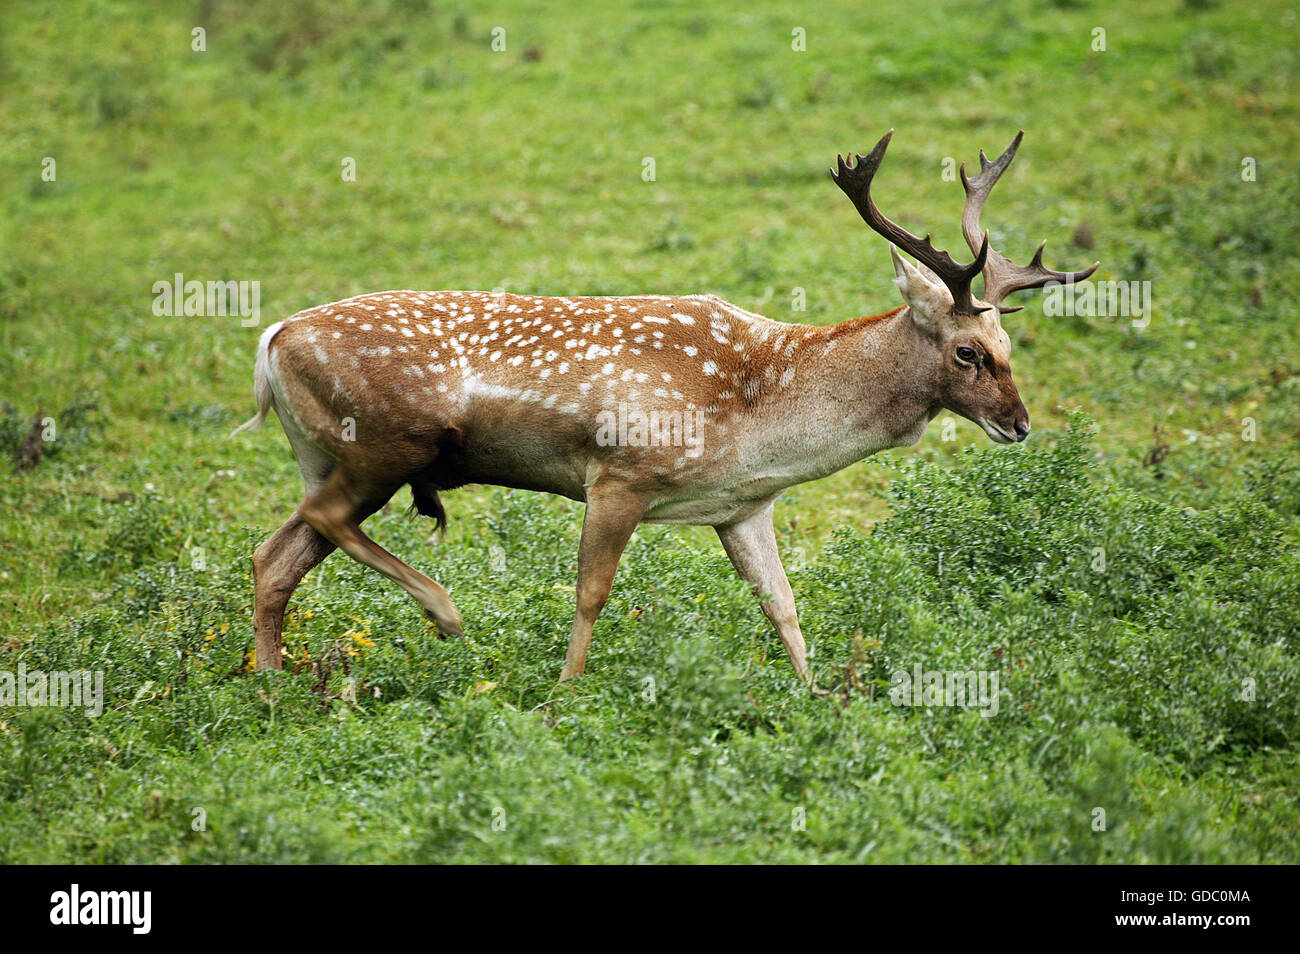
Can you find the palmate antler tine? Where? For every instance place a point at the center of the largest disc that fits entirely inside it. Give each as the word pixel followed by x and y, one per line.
pixel 855 181
pixel 1001 275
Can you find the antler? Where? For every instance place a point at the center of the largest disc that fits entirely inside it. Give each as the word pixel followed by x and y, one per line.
pixel 856 183
pixel 1001 275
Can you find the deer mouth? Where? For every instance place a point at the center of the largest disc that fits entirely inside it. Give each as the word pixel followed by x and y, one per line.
pixel 998 434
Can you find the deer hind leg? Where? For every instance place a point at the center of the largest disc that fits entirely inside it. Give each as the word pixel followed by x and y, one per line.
pixel 612 515
pixel 281 562
pixel 751 545
pixel 336 509
pixel 279 565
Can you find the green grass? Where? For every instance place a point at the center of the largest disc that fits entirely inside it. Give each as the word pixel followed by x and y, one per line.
pixel 1124 688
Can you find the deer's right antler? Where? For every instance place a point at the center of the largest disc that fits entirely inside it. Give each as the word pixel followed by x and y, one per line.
pixel 856 182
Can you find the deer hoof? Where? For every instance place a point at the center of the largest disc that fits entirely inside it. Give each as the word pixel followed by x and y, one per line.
pixel 449 624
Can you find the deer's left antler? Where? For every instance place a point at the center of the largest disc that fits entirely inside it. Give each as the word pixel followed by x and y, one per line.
pixel 1001 275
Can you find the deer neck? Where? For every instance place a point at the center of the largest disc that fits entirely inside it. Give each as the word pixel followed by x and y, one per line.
pixel 856 388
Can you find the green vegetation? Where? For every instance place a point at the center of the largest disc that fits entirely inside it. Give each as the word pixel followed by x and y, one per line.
pixel 1132 573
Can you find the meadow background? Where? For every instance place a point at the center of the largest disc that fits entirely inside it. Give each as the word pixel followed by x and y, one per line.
pixel 1163 688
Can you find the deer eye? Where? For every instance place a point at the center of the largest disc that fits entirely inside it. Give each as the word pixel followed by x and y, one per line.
pixel 966 354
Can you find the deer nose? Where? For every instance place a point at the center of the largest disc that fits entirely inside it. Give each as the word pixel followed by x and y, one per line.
pixel 1022 429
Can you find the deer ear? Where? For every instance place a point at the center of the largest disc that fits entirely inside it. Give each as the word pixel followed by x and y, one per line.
pixel 927 300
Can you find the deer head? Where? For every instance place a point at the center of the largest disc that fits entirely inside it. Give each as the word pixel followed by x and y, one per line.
pixel 972 350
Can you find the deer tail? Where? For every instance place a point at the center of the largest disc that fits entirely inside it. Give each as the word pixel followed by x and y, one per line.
pixel 261 381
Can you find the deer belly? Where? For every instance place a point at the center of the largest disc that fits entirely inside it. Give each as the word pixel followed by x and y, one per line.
pixel 708 511
pixel 525 458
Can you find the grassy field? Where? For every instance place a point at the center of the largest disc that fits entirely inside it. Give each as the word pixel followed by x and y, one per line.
pixel 1159 684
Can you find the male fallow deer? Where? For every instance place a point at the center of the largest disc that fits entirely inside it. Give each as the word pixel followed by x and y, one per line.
pixel 571 396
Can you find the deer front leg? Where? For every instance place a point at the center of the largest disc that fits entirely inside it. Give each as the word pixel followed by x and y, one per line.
pixel 612 515
pixel 751 545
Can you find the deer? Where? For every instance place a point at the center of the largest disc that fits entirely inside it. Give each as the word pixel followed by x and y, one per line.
pixel 569 395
